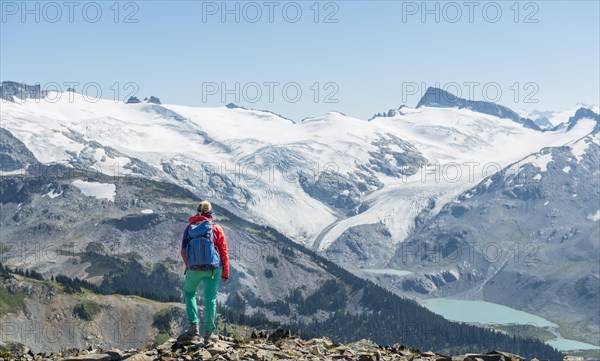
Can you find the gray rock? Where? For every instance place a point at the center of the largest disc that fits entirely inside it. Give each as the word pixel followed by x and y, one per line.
pixel 14 155
pixel 132 100
pixel 361 245
pixel 153 100
pixel 9 90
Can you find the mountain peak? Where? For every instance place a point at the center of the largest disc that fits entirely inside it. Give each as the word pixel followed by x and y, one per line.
pixel 133 100
pixel 582 113
pixel 436 97
pixel 152 100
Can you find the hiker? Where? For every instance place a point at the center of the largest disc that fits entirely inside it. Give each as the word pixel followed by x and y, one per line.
pixel 205 255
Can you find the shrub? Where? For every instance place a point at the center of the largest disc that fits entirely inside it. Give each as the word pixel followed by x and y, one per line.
pixel 162 319
pixel 160 338
pixel 87 310
pixel 10 303
pixel 273 260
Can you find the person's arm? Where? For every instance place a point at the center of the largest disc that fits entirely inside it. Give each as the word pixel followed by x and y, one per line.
pixel 183 240
pixel 221 243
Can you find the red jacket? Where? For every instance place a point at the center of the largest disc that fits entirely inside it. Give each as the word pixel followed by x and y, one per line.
pixel 220 243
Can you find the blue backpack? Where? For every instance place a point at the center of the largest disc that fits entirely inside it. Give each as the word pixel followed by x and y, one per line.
pixel 199 247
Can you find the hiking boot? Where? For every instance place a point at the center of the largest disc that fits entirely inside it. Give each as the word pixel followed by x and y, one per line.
pixel 190 335
pixel 210 337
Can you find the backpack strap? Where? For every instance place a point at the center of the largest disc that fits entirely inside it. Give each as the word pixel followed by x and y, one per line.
pixel 214 237
pixel 186 235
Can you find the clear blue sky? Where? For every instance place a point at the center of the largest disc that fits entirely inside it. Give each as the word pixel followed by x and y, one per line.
pixel 372 55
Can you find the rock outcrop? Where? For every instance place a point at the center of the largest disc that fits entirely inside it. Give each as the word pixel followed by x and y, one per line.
pixel 133 100
pixel 10 91
pixel 260 345
pixel 153 100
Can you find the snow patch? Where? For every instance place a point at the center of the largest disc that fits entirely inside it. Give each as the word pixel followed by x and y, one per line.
pixel 539 160
pixel 454 273
pixel 97 190
pixel 594 217
pixel 566 169
pixel 147 211
pixel 52 194
pixel 579 148
pixel 537 177
pixel 107 165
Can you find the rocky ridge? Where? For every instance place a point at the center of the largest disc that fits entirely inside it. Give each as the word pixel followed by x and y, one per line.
pixel 260 345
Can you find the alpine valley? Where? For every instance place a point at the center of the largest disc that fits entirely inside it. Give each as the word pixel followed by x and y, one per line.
pixel 333 222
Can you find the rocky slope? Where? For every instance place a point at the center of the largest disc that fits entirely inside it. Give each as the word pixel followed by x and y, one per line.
pixel 51 320
pixel 541 251
pixel 261 345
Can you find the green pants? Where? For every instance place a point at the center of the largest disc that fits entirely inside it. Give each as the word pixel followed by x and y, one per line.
pixel 211 283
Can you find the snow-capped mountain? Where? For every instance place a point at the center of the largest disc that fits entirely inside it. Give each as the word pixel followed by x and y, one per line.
pixel 352 189
pixel 549 119
pixel 258 162
pixel 435 97
pixel 532 226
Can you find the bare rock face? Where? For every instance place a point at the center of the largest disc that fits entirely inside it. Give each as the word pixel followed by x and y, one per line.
pixel 360 245
pixel 133 100
pixel 14 155
pixel 10 91
pixel 153 100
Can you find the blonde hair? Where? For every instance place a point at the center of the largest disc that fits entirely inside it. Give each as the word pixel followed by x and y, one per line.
pixel 204 207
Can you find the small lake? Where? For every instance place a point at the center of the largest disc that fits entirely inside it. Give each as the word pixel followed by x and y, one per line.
pixel 491 313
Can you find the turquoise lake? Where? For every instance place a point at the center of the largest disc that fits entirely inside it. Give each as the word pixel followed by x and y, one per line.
pixel 491 313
